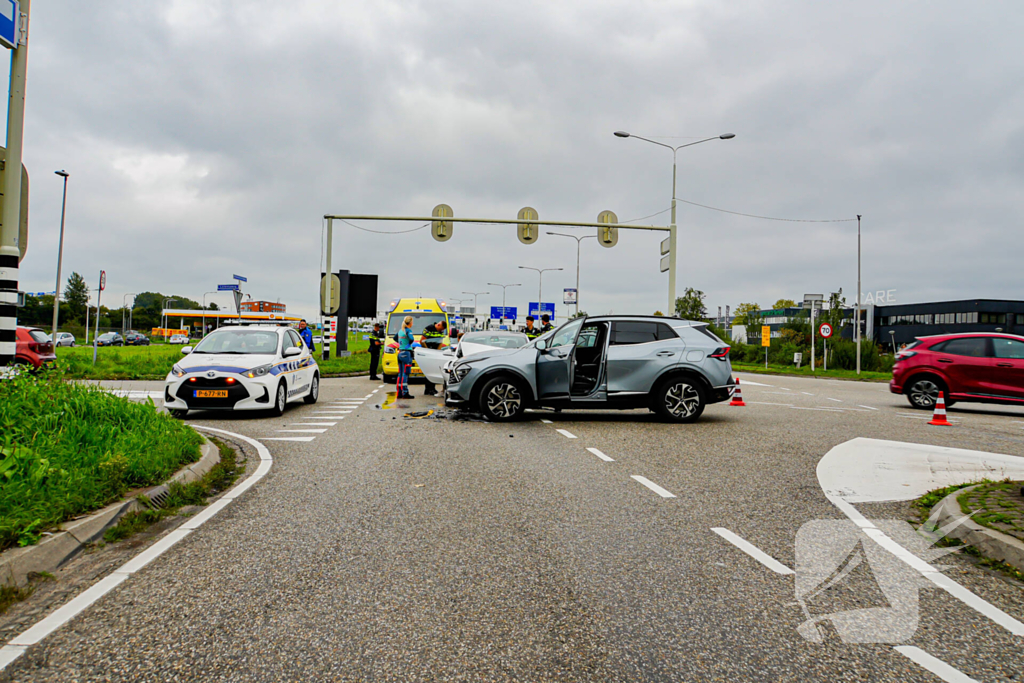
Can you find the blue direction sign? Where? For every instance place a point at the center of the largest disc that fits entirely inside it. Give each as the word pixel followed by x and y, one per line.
pixel 240 278
pixel 498 312
pixel 227 288
pixel 539 309
pixel 10 18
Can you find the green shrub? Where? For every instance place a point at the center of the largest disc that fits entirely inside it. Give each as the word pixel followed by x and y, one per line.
pixel 69 449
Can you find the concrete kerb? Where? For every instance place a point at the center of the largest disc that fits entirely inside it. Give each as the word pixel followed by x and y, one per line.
pixel 989 542
pixel 54 550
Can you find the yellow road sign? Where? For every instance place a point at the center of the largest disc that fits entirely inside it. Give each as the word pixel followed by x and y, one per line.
pixel 766 335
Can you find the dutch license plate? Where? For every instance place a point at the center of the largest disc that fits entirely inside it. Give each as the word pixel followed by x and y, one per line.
pixel 211 393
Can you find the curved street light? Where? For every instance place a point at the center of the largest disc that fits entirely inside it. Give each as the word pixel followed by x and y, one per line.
pixel 672 226
pixel 540 282
pixel 503 288
pixel 578 240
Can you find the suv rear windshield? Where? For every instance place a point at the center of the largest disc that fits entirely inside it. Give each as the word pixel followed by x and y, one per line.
pixel 419 321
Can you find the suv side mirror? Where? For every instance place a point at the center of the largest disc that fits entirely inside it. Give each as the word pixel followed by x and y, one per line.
pixel 291 351
pixel 185 350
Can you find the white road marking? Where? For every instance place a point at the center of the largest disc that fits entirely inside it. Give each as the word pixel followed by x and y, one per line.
pixel 933 664
pixel 547 422
pixel 600 455
pixel 752 550
pixel 833 399
pixel 827 410
pixel 755 384
pixel 305 431
pixel 37 632
pixel 926 417
pixel 777 393
pixel 368 396
pixel 566 434
pixel 768 403
pixel 381 386
pixel 312 424
pixel 332 411
pixel 806 393
pixel 868 407
pixel 664 493
pixel 785 388
pixel 290 438
pixel 375 391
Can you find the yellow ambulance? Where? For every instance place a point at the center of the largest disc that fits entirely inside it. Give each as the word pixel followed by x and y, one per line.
pixel 424 312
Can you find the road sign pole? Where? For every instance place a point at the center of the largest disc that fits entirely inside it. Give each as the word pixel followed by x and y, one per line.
pixel 10 221
pixel 325 345
pixel 812 337
pixel 672 247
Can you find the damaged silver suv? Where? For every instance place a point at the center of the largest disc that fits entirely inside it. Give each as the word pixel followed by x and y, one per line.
pixel 671 366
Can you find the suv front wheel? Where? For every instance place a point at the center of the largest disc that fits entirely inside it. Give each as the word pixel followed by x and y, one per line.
pixel 680 399
pixel 502 400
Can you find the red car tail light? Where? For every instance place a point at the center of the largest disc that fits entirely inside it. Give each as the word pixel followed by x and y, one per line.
pixel 721 352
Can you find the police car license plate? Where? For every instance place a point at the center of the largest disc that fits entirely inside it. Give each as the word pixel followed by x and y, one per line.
pixel 211 393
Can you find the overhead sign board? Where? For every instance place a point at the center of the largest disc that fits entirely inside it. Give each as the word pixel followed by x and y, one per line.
pixel 240 278
pixel 500 312
pixel 766 335
pixel 227 288
pixel 10 21
pixel 542 308
pixel 569 295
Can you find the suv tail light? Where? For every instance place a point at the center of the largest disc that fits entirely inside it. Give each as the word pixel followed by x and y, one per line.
pixel 902 355
pixel 722 352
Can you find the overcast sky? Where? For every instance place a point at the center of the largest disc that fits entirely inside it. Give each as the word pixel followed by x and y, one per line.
pixel 206 138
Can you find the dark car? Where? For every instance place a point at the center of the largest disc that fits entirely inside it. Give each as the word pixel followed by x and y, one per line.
pixel 979 367
pixel 110 339
pixel 33 347
pixel 136 339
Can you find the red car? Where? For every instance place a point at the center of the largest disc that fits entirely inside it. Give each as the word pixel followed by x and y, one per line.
pixel 33 347
pixel 978 367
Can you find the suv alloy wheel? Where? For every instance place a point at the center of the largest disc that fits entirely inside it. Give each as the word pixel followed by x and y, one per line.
pixel 679 399
pixel 501 400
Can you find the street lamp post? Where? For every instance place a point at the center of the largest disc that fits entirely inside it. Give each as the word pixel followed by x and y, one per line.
pixel 672 226
pixel 503 288
pixel 163 317
pixel 578 240
pixel 540 282
pixel 475 307
pixel 60 255
pixel 857 324
pixel 124 305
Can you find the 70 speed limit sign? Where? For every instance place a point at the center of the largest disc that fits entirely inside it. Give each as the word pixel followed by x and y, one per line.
pixel 825 330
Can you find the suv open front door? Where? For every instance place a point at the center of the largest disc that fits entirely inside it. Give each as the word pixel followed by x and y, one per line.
pixel 554 361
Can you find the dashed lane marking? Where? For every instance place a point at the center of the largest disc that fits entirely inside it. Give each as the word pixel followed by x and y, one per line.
pixel 304 431
pixel 290 438
pixel 312 424
pixel 868 407
pixel 547 422
pixel 664 493
pixel 833 399
pixel 827 410
pixel 17 645
pixel 806 393
pixel 755 384
pixel 567 434
pixel 752 550
pixel 768 403
pixel 933 664
pixel 600 455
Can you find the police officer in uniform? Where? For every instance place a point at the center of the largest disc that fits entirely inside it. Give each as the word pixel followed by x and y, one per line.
pixel 531 332
pixel 376 344
pixel 432 336
pixel 545 326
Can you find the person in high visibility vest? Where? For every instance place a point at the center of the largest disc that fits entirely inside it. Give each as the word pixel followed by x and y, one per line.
pixel 545 325
pixel 531 332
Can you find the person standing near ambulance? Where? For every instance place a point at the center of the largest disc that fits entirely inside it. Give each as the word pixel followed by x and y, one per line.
pixel 405 339
pixel 376 344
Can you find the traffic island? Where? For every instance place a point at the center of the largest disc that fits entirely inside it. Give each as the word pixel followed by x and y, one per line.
pixel 995 527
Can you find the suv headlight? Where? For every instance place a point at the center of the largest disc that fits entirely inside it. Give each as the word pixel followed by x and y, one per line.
pixel 459 372
pixel 177 371
pixel 257 371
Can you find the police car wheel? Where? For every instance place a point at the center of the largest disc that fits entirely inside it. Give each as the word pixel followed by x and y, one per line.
pixel 280 401
pixel 314 390
pixel 502 400
pixel 680 400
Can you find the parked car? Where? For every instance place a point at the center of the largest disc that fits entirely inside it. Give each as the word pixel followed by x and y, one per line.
pixel 33 347
pixel 248 368
pixel 975 367
pixel 110 339
pixel 178 339
pixel 136 339
pixel 65 339
pixel 671 366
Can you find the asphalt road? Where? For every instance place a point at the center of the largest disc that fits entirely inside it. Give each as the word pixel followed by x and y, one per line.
pixel 390 548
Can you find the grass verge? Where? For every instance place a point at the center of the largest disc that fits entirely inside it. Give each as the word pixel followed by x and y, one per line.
pixel 864 376
pixel 67 449
pixel 220 477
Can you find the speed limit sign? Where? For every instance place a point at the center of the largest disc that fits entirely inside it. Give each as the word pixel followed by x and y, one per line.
pixel 825 330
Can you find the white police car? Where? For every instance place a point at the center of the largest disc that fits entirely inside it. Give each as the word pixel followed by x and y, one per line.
pixel 243 368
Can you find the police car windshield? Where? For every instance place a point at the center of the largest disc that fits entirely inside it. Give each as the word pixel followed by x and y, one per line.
pixel 239 342
pixel 419 321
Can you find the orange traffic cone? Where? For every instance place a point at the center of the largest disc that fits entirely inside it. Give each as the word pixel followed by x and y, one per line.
pixel 939 416
pixel 737 397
